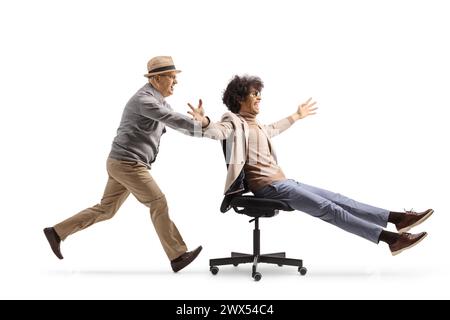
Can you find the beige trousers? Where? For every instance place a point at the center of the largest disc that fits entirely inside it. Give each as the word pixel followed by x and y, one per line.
pixel 125 177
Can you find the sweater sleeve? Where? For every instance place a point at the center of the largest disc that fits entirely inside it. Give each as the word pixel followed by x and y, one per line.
pixel 149 107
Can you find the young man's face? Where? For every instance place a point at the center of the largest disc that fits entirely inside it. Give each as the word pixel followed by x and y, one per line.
pixel 251 103
pixel 165 83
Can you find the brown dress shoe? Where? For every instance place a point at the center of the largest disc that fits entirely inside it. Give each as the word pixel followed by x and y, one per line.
pixel 406 241
pixel 54 241
pixel 183 260
pixel 413 219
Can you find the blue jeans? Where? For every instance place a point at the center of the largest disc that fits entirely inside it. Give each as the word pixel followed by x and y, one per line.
pixel 355 217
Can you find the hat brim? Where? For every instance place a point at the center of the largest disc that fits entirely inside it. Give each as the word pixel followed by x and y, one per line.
pixel 148 75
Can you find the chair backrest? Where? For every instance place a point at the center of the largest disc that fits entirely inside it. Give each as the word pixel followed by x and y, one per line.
pixel 226 203
pixel 239 186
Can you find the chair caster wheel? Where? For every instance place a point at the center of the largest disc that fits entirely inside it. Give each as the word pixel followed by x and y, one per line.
pixel 257 276
pixel 302 270
pixel 235 264
pixel 280 265
pixel 214 270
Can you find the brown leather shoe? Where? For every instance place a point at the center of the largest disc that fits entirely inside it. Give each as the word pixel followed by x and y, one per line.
pixel 413 219
pixel 183 260
pixel 406 241
pixel 54 241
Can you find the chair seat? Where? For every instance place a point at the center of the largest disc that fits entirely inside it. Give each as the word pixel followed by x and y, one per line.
pixel 253 206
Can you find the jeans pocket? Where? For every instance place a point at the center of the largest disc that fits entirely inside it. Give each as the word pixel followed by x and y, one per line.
pixel 270 190
pixel 273 187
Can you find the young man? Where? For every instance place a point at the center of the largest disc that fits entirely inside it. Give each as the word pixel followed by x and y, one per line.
pixel 134 149
pixel 250 150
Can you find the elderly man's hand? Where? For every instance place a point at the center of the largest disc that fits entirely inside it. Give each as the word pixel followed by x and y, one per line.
pixel 199 113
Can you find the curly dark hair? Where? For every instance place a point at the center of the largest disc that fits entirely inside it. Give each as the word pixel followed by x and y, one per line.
pixel 238 89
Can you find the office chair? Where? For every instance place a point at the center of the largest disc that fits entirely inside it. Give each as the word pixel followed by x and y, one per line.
pixel 256 208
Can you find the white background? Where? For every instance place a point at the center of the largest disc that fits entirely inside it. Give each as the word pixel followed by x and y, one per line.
pixel 379 71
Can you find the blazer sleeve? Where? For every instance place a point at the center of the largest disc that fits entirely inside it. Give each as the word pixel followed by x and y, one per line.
pixel 278 127
pixel 219 130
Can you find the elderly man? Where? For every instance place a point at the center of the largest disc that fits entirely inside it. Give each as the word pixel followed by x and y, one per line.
pixel 134 149
pixel 252 164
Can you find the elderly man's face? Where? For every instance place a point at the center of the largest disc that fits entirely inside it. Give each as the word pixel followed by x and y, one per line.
pixel 251 102
pixel 165 82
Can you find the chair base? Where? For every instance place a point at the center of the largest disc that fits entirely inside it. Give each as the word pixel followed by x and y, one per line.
pixel 237 258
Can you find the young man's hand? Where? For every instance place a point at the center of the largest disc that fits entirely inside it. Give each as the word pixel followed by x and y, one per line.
pixel 305 109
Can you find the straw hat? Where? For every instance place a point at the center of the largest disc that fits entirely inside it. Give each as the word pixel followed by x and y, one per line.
pixel 160 64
